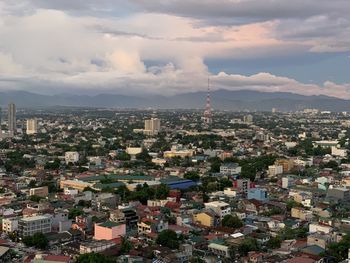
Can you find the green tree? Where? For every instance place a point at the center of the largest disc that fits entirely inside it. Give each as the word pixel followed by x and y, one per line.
pixel 168 238
pixel 125 246
pixel 192 176
pixel 248 244
pixel 231 221
pixel 74 212
pixel 339 251
pixel 38 240
pixel 274 242
pixel 35 198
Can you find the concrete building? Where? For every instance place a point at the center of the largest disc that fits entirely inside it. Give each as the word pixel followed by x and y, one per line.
pixel 230 169
pixel 219 248
pixel 339 152
pixel 258 194
pixel 339 194
pixel 75 184
pixel 9 225
pixel 32 126
pixel 219 207
pixel 301 213
pixel 286 164
pixel 71 157
pixel 287 182
pixel 152 126
pixel 39 191
pixel 206 218
pixel 28 226
pixel 12 123
pixel 275 170
pixel 95 246
pixel 109 230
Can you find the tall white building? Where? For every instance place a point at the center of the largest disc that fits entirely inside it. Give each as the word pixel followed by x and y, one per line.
pixel 32 126
pixel 12 118
pixel 152 126
pixel 28 226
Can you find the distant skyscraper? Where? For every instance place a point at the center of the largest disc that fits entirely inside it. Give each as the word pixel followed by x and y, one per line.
pixel 12 118
pixel 32 126
pixel 152 126
pixel 207 113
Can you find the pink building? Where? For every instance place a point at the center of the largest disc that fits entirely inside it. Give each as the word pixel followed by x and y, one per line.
pixel 109 230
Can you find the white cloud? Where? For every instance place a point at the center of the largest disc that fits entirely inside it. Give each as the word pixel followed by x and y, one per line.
pixel 58 50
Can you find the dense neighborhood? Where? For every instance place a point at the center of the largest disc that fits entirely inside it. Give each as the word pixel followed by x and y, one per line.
pixel 107 185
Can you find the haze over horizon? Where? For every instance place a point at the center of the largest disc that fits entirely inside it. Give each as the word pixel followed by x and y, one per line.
pixel 170 47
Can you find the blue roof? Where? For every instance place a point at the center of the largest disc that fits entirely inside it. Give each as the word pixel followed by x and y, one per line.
pixel 182 184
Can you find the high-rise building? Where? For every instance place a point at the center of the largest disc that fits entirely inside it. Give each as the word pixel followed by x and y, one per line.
pixel 152 126
pixel 12 118
pixel 32 126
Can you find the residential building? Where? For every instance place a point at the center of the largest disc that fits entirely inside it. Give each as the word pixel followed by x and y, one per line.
pixel 258 194
pixel 152 126
pixel 206 218
pixel 109 230
pixel 230 169
pixel 12 122
pixel 28 226
pixel 9 225
pixel 32 126
pixel 219 207
pixel 275 170
pixel 39 191
pixel 339 194
pixel 71 157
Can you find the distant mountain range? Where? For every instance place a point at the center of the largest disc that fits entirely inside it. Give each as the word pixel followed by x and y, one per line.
pixel 221 100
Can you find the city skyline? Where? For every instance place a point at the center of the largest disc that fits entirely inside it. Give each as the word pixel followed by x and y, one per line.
pixel 149 47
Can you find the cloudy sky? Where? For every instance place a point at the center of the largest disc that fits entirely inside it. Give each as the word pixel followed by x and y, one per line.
pixel 172 46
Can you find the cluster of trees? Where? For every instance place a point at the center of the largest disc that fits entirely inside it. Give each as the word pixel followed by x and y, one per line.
pixel 249 166
pixel 169 238
pixel 38 240
pixel 306 148
pixel 339 251
pixel 143 193
pixel 247 245
pixel 231 221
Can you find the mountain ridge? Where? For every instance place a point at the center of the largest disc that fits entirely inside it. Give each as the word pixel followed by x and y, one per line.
pixel 221 99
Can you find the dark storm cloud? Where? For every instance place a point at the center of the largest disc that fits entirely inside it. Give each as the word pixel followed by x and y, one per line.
pixel 253 9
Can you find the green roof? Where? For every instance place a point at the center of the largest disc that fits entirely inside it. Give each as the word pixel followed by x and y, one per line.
pixel 111 185
pixel 218 241
pixel 117 177
pixel 109 224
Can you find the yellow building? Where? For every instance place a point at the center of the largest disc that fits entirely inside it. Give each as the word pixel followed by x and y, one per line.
pixel 205 219
pixel 286 164
pixel 301 213
pixel 75 184
pixel 181 154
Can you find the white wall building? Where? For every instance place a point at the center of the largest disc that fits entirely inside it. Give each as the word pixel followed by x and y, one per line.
pixel 35 224
pixel 9 225
pixel 32 126
pixel 275 170
pixel 220 208
pixel 71 157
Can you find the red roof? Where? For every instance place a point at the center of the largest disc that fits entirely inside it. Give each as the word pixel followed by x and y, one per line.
pixel 57 258
pixel 300 260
